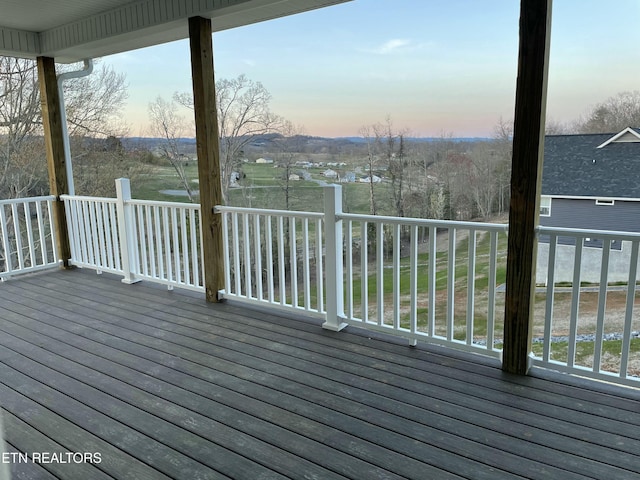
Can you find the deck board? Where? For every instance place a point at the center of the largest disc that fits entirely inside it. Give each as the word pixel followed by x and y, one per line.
pixel 172 386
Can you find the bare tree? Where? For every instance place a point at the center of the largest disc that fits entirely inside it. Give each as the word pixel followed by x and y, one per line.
pixel 368 134
pixel 288 146
pixel 612 115
pixel 243 115
pixel 167 124
pixel 20 127
pixel 391 146
pixel 92 105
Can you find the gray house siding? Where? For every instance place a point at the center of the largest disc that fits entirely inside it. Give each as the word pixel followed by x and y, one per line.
pixel 622 216
pixel 584 213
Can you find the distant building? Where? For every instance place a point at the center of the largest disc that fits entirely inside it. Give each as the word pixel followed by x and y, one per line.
pixel 264 160
pixel 294 176
pixel 330 173
pixel 372 179
pixel 347 177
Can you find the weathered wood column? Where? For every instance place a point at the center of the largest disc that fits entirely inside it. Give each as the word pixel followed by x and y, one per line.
pixel 207 144
pixel 54 140
pixel 526 179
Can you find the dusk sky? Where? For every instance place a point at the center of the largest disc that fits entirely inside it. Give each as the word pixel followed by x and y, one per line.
pixel 435 67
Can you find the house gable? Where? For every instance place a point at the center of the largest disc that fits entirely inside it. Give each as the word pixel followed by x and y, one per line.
pixel 628 135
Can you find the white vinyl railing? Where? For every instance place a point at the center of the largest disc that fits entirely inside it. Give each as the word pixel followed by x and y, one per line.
pixel 274 257
pixel 166 243
pixel 418 278
pixel 27 242
pixel 590 325
pixel 92 223
pixel 139 239
pixel 369 270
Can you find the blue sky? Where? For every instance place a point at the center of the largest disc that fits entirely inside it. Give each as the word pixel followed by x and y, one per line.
pixel 436 67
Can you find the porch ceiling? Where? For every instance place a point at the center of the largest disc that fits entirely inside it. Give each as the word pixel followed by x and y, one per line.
pixel 70 30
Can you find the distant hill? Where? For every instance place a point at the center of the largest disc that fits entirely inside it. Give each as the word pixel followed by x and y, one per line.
pixel 265 141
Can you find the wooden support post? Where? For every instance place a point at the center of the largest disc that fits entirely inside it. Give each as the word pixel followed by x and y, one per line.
pixel 54 140
pixel 204 103
pixel 526 178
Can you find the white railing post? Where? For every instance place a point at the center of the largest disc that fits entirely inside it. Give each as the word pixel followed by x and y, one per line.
pixel 334 274
pixel 125 229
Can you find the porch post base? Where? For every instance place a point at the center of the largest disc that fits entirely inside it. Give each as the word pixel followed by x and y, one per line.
pixel 334 327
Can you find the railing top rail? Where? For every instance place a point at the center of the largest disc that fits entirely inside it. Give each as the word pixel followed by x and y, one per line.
pixel 580 232
pixel 27 199
pixel 271 212
pixel 424 222
pixel 157 203
pixel 87 198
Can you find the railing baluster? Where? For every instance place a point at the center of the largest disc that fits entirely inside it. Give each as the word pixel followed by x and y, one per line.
pixel 269 241
pixel 117 250
pixel 18 235
pixel 491 306
pixel 282 281
pixel 349 268
pixel 100 231
pixel 186 271
pixel 225 242
pixel 451 283
pixel 380 273
pixel 319 267
pixel 157 221
pixel 149 210
pixel 177 268
pixel 433 258
pixel 551 276
pixel 364 271
pixel 628 314
pixel 143 238
pixel 6 242
pixel 246 254
pixel 108 231
pixel 575 302
pixel 196 254
pixel 396 276
pixel 294 261
pixel 54 242
pixel 166 244
pixel 29 228
pixel 258 255
pixel 41 233
pixel 471 286
pixel 602 303
pixel 413 280
pixel 237 276
pixel 306 281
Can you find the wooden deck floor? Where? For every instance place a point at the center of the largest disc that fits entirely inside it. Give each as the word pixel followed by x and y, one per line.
pixel 162 385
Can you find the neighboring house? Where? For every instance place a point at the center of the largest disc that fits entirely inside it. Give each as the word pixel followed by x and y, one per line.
pixel 372 179
pixel 589 182
pixel 347 177
pixel 264 160
pixel 330 173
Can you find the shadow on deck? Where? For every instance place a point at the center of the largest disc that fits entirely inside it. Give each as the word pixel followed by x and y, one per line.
pixel 162 385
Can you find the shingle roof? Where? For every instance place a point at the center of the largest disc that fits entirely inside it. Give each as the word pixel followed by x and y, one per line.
pixel 574 166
